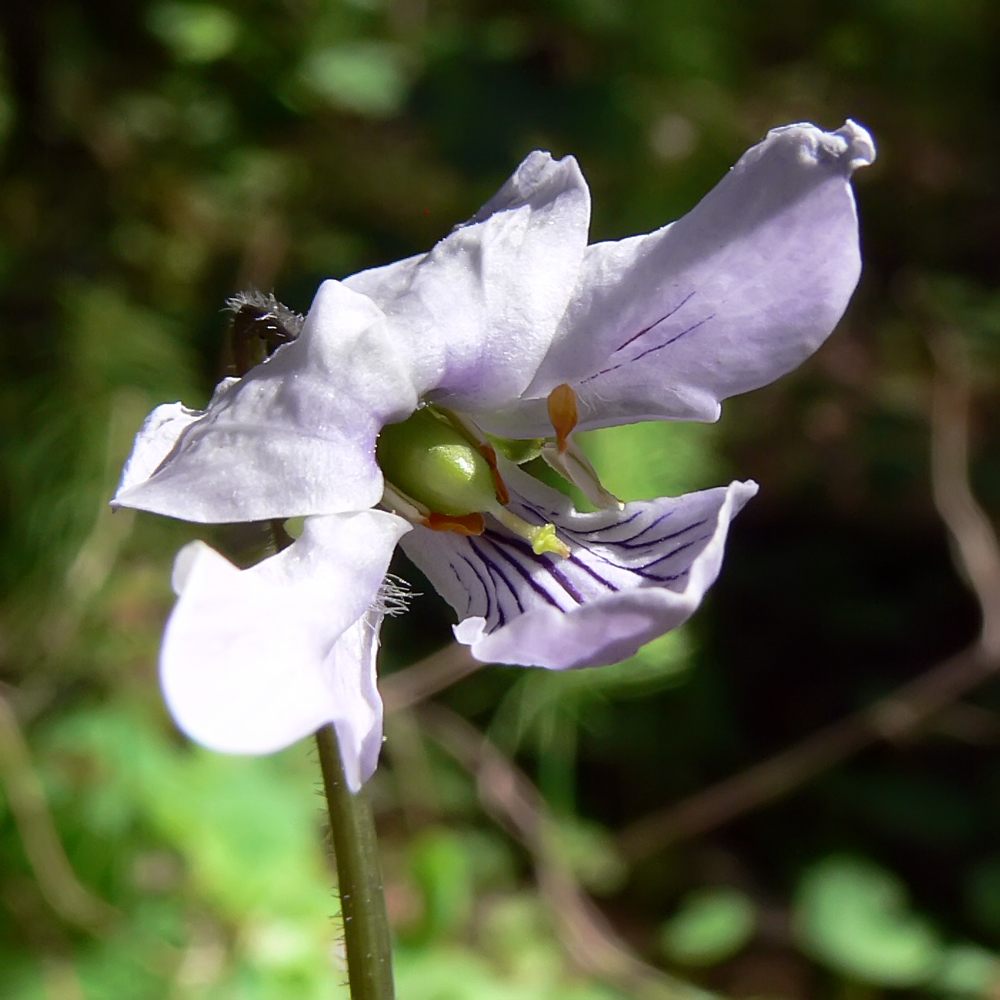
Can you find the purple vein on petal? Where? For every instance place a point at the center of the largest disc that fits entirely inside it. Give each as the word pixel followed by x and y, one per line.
pixel 498 614
pixel 540 513
pixel 642 333
pixel 670 555
pixel 492 568
pixel 525 574
pixel 577 561
pixel 547 565
pixel 481 581
pixel 650 350
pixel 594 536
pixel 675 338
pixel 630 543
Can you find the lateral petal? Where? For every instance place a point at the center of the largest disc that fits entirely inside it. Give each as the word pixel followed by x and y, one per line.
pixel 294 436
pixel 730 297
pixel 253 660
pixel 476 315
pixel 631 575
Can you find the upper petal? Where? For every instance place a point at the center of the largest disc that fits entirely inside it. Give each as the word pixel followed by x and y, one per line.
pixel 733 295
pixel 295 436
pixel 476 315
pixel 631 575
pixel 253 660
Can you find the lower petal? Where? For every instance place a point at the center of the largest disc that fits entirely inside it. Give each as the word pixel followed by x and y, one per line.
pixel 253 660
pixel 631 575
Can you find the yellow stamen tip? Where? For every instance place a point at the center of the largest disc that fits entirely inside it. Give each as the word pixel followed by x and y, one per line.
pixel 544 539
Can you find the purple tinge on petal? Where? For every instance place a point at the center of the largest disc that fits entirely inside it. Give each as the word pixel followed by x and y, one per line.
pixel 631 575
pixel 730 297
pixel 253 660
pixel 475 316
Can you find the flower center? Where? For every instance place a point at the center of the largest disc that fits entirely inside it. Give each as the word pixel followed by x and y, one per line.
pixel 432 462
pixel 429 461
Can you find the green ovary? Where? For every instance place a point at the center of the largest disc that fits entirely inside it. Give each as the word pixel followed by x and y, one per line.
pixel 426 458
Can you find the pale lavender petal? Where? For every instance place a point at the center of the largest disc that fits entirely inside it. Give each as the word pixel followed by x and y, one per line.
pixel 730 297
pixel 296 435
pixel 476 315
pixel 253 660
pixel 631 575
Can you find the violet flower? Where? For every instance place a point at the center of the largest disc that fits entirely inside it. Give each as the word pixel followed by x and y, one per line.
pixel 491 348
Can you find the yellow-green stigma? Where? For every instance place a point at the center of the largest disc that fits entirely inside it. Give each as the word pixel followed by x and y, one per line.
pixel 542 537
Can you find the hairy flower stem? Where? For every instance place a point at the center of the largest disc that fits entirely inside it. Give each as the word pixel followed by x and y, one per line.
pixel 362 899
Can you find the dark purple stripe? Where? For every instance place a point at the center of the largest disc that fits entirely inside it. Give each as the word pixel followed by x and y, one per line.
pixel 610 527
pixel 662 538
pixel 670 555
pixel 642 333
pixel 551 568
pixel 650 350
pixel 529 579
pixel 492 568
pixel 465 588
pixel 603 371
pixel 593 572
pixel 524 505
pixel 674 339
pixel 482 583
pixel 590 535
pixel 657 578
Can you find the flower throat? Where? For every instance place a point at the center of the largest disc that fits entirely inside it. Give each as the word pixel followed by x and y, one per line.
pixel 449 481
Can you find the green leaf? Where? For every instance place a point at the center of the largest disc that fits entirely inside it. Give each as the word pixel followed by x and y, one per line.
pixel 195 32
pixel 591 854
pixel 852 916
pixel 968 971
pixel 364 77
pixel 642 461
pixel 712 924
pixel 441 867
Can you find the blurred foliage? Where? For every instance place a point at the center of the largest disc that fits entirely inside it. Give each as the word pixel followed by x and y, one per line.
pixel 156 157
pixel 711 925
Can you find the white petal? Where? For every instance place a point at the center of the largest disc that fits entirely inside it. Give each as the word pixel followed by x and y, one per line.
pixel 476 314
pixel 158 436
pixel 296 435
pixel 631 575
pixel 357 705
pixel 738 292
pixel 253 660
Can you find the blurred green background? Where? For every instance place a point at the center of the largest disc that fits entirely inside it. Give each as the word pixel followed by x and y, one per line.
pixel 156 158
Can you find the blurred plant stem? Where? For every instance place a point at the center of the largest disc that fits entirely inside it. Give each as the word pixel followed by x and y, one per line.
pixel 510 797
pixel 908 710
pixel 425 678
pixel 359 876
pixel 26 798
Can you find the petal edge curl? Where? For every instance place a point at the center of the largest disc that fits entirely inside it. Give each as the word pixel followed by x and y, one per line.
pixel 253 660
pixel 631 575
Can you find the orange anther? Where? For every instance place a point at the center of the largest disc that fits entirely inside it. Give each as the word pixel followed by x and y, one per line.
pixel 499 486
pixel 563 413
pixel 464 524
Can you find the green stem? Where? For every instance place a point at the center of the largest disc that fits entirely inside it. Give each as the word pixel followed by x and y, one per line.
pixel 362 899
